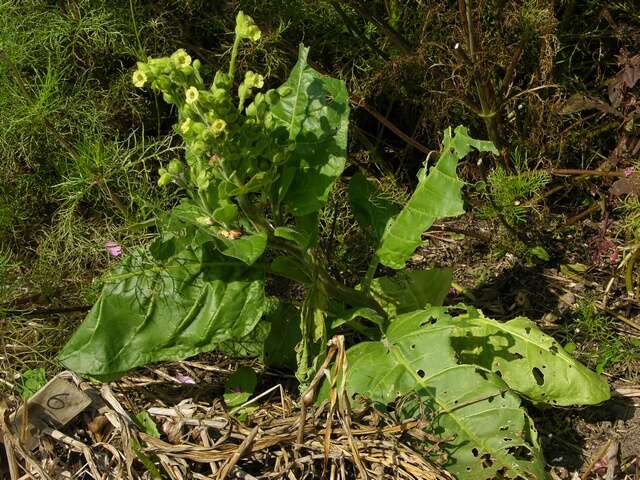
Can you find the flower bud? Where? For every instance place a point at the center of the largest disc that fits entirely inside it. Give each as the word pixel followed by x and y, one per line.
pixel 267 121
pixel 253 80
pixel 185 126
pixel 285 90
pixel 222 80
pixel 272 97
pixel 202 181
pixel 207 221
pixel 164 179
pixel 252 110
pixel 175 167
pixel 219 95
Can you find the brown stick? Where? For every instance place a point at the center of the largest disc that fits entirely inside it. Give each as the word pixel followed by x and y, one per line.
pixel 240 452
pixel 592 173
pixel 381 118
pixel 581 215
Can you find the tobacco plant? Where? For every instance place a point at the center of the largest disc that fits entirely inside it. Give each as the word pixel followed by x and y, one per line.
pixel 258 167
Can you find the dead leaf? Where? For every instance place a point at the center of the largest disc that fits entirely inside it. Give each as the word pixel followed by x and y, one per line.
pixel 625 186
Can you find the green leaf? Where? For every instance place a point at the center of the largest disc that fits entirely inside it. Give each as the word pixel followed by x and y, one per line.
pixel 240 386
pixel 528 360
pixel 292 235
pixel 247 248
pixel 251 345
pixel 372 211
pixel 308 226
pixel 279 348
pixel 540 253
pixel 438 195
pixel 144 420
pixel 149 312
pixel 315 110
pixel 32 381
pixel 483 427
pixel 290 268
pixel 145 459
pixel 348 315
pixel 412 290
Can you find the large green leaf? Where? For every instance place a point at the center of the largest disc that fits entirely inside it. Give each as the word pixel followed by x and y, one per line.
pixel 528 360
pixel 315 110
pixel 371 209
pixel 149 312
pixel 485 431
pixel 412 290
pixel 438 195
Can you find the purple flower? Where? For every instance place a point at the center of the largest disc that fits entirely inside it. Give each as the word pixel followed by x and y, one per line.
pixel 628 172
pixel 113 248
pixel 186 379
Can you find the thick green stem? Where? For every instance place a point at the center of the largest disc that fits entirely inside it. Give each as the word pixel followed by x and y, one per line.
pixel 234 54
pixel 371 271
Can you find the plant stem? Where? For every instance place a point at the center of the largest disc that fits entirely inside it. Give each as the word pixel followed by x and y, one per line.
pixel 234 54
pixel 371 271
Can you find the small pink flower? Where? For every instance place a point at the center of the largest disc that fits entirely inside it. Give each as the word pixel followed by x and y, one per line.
pixel 185 379
pixel 614 256
pixel 628 172
pixel 113 248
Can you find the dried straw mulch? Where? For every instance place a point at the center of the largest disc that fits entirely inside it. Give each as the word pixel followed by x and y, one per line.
pixel 279 437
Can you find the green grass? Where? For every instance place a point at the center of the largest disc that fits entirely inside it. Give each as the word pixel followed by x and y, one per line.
pixel 599 344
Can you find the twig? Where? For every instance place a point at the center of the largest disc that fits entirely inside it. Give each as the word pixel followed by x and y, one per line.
pixel 581 215
pixel 582 172
pixel 11 459
pixel 255 399
pixel 398 40
pixel 381 118
pixel 240 452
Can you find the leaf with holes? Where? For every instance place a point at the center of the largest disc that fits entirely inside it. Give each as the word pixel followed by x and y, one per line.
pixel 485 431
pixel 528 360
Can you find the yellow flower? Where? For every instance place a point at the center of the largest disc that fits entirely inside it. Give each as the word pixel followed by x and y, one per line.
pixel 139 78
pixel 181 58
pixel 218 126
pixel 246 27
pixel 192 95
pixel 185 126
pixel 253 80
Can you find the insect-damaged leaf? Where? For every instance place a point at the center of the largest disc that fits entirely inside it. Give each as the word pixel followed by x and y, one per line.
pixel 315 110
pixel 438 195
pixel 485 430
pixel 149 312
pixel 528 360
pixel 465 371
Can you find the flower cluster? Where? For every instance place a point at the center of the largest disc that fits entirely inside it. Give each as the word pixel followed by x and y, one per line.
pixel 230 149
